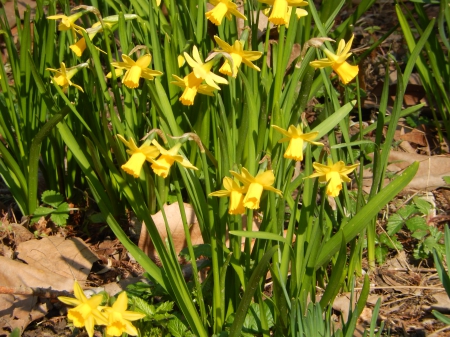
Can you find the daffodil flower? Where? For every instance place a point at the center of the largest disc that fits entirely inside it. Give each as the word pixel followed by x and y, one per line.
pixel 255 186
pixel 162 165
pixel 86 313
pixel 279 13
pixel 239 55
pixel 296 137
pixel 68 22
pixel 138 156
pixel 338 61
pixel 64 75
pixel 236 194
pixel 135 70
pixel 335 174
pixel 80 46
pixel 192 85
pixel 119 318
pixel 203 70
pixel 223 8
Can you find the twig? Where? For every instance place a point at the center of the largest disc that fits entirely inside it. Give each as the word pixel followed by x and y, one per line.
pixel 403 287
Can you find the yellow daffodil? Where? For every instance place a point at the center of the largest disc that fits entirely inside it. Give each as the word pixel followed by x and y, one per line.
pixel 338 61
pixel 335 174
pixel 223 8
pixel 236 194
pixel 255 186
pixel 68 22
pixel 138 156
pixel 162 165
pixel 192 85
pixel 119 319
pixel 86 313
pixel 203 70
pixel 135 70
pixel 296 137
pixel 279 13
pixel 239 55
pixel 63 75
pixel 80 46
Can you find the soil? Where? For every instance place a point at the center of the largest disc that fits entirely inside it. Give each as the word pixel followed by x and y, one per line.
pixel 410 289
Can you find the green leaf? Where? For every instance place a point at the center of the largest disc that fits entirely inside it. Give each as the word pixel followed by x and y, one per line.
pixel 39 212
pixel 61 214
pixel 423 206
pixel 52 198
pixel 177 328
pixel 441 317
pixel 407 211
pixel 419 234
pixel 446 179
pixel 416 223
pixel 203 249
pixel 395 223
pixel 144 307
pixel 252 322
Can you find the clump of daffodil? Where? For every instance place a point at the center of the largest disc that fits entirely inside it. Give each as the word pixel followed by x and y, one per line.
pixel 119 318
pixel 138 157
pixel 223 8
pixel 280 14
pixel 68 22
pixel 135 70
pixel 345 71
pixel 203 70
pixel 238 54
pixel 192 85
pixel 255 186
pixel 86 313
pixel 334 174
pixel 64 75
pixel 162 165
pixel 296 137
pixel 236 194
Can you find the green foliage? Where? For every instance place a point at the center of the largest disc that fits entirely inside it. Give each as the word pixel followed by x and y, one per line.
pixel 444 275
pixel 411 219
pixel 56 207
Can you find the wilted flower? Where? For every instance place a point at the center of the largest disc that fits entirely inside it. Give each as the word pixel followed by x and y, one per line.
pixel 280 8
pixel 338 61
pixel 236 194
pixel 138 156
pixel 255 186
pixel 223 8
pixel 192 85
pixel 119 318
pixel 135 70
pixel 203 70
pixel 63 75
pixel 162 165
pixel 335 174
pixel 239 55
pixel 86 313
pixel 296 137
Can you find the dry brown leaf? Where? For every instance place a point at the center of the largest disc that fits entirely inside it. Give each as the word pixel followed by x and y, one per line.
pixel 429 176
pixel 69 258
pixel 176 228
pixel 19 310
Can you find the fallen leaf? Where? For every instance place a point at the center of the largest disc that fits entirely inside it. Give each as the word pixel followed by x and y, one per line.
pixel 69 258
pixel 429 176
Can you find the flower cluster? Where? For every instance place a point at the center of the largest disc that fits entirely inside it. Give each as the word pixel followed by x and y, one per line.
pixel 248 195
pixel 146 152
pixel 87 313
